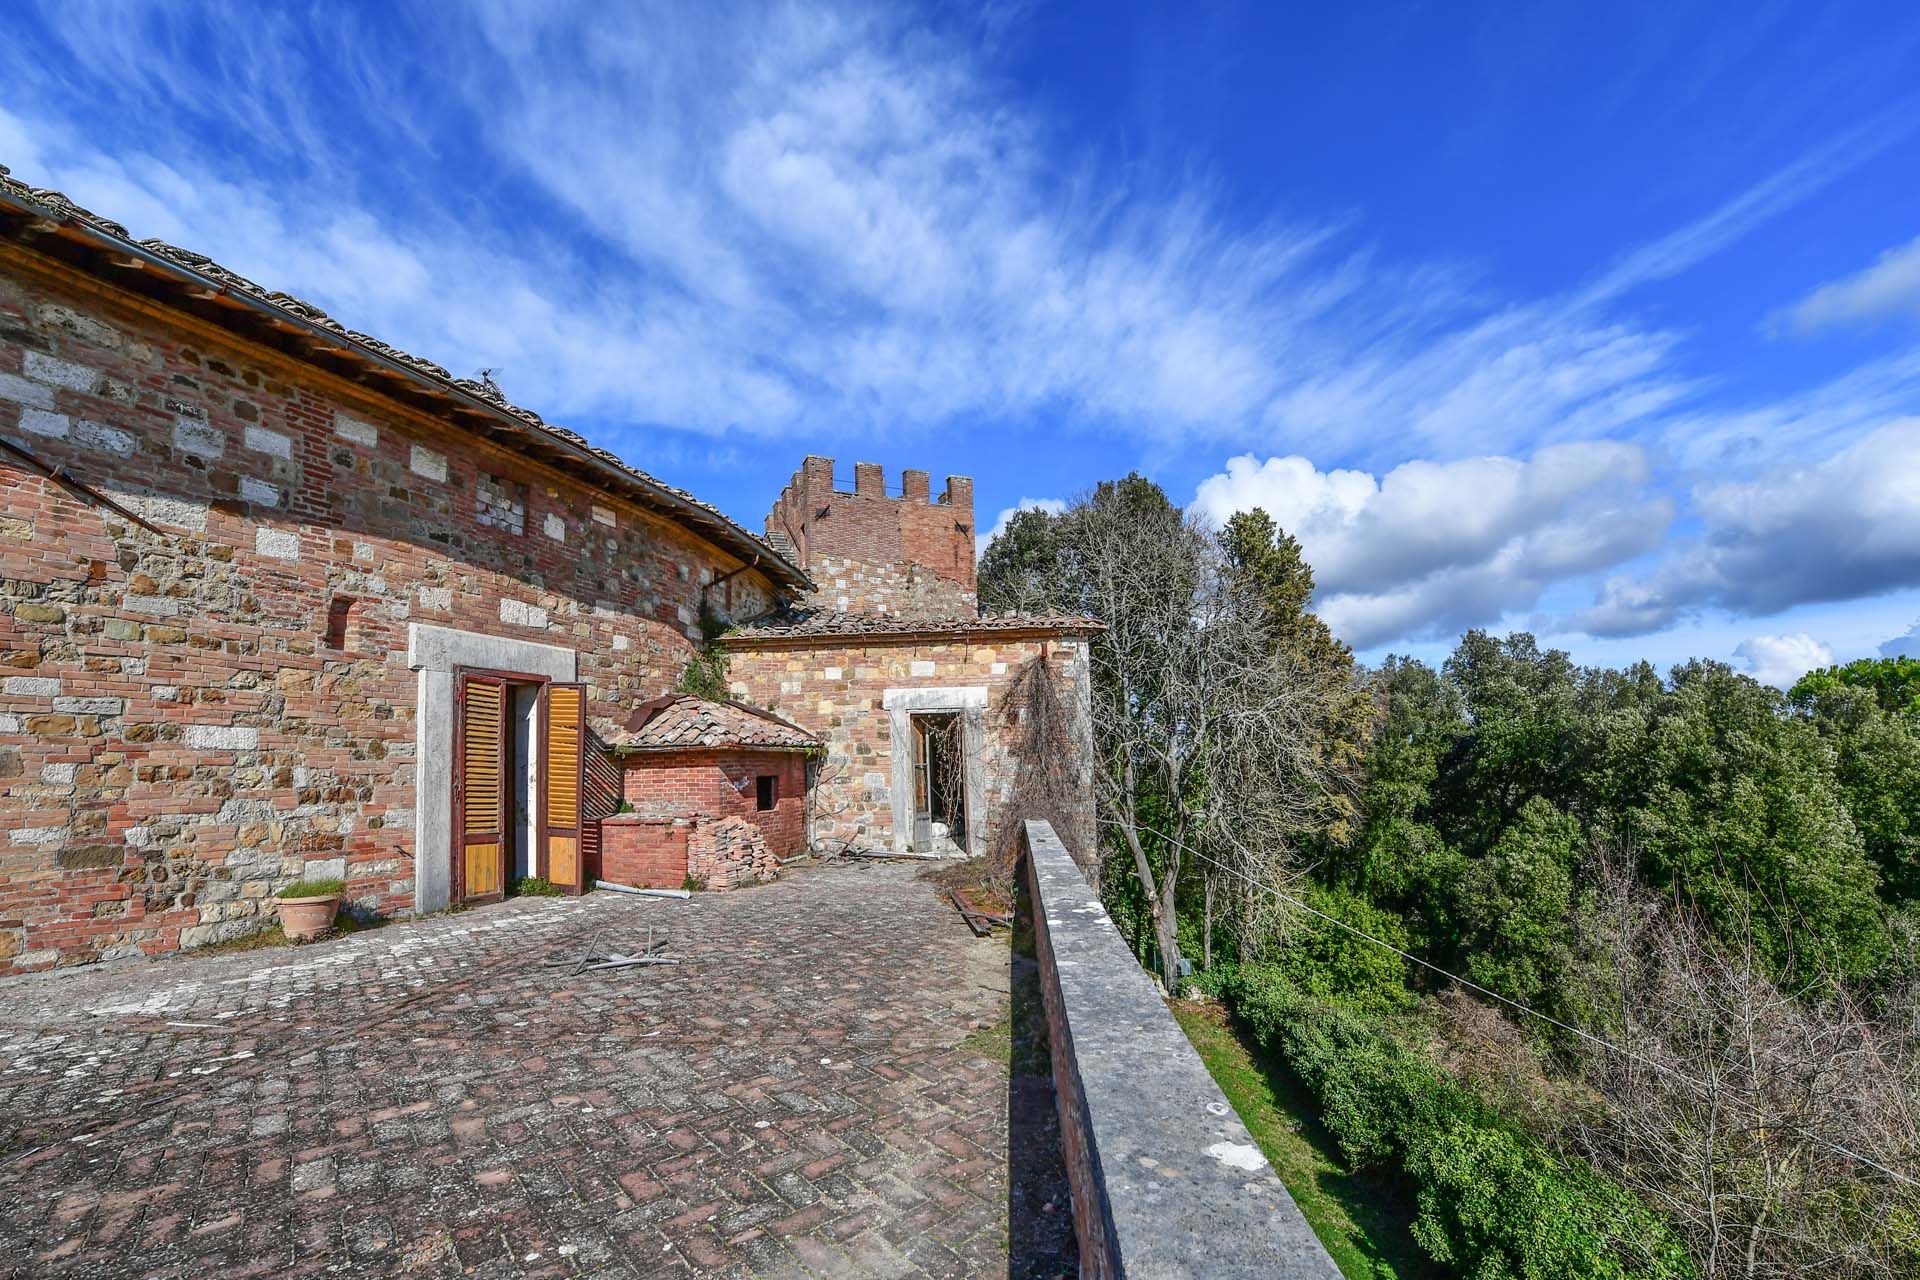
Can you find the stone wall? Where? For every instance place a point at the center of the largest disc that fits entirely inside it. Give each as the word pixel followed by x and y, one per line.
pixel 191 717
pixel 836 689
pixel 722 784
pixel 1166 1180
pixel 869 553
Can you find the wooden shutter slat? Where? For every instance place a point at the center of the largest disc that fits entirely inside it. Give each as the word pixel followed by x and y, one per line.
pixel 482 782
pixel 562 748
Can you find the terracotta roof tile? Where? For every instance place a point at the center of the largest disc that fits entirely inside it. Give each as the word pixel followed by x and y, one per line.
pixel 685 723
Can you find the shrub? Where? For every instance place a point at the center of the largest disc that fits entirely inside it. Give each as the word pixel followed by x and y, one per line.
pixel 1494 1203
pixel 312 888
pixel 535 887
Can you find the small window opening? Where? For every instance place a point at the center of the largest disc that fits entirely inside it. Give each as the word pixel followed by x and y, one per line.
pixel 766 791
pixel 339 617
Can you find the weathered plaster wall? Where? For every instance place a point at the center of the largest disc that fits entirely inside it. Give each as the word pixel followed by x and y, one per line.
pixel 177 735
pixel 837 689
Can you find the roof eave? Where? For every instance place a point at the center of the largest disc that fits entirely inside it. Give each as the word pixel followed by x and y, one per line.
pixel 717 529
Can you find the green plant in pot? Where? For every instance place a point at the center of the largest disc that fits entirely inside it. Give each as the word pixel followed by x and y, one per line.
pixel 307 908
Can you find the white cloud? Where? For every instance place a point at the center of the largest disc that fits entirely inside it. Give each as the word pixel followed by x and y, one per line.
pixel 1781 660
pixel 1888 289
pixel 1052 506
pixel 812 218
pixel 1838 529
pixel 1903 646
pixel 1429 547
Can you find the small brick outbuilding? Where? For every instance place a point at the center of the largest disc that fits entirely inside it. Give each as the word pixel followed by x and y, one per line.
pixel 715 791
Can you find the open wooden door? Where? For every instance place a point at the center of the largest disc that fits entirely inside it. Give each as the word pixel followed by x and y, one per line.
pixel 480 791
pixel 563 726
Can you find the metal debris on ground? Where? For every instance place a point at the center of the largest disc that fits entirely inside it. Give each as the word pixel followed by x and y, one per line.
pixel 594 958
pixel 981 922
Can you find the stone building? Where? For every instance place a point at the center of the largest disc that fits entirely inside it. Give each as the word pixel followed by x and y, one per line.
pixel 279 600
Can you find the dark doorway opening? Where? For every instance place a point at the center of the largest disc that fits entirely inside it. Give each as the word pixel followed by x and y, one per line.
pixel 939 784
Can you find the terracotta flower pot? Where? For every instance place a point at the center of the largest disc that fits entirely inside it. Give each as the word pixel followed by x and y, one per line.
pixel 304 919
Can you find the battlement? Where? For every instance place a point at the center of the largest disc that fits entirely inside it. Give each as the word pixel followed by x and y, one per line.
pixel 873 552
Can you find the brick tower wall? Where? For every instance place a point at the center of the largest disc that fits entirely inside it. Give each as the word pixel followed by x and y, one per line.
pixel 871 553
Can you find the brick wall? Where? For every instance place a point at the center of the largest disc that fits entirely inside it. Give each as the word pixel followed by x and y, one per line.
pixel 721 784
pixel 177 737
pixel 869 553
pixel 647 853
pixel 835 690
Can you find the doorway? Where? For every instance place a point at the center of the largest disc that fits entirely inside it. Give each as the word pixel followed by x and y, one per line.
pixel 939 783
pixel 517 778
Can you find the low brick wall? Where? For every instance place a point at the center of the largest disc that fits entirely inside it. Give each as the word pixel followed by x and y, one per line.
pixel 1166 1180
pixel 647 853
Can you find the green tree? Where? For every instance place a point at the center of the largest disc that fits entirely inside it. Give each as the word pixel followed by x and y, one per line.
pixel 1744 816
pixel 1894 682
pixel 1017 571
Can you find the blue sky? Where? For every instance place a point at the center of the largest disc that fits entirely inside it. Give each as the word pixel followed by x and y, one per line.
pixel 1602 321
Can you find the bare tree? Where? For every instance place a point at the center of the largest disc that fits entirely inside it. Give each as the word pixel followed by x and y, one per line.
pixel 1207 732
pixel 1778 1131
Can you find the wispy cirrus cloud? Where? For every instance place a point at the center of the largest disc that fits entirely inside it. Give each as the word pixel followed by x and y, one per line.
pixel 826 218
pixel 1887 290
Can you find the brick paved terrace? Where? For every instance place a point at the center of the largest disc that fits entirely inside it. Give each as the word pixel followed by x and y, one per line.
pixel 823 1089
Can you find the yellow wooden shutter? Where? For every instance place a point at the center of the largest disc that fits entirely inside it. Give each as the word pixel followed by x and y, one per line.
pixel 565 725
pixel 482 820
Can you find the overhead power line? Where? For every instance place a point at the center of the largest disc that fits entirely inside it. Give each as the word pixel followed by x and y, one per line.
pixel 1672 1072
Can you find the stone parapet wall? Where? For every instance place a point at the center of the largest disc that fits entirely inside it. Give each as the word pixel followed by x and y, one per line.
pixel 193 715
pixel 1166 1180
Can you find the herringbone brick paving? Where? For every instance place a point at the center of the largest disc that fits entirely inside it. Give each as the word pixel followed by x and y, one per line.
pixel 814 1093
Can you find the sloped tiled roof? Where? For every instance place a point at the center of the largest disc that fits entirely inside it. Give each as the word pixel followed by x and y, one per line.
pixel 682 722
pixel 194 283
pixel 803 624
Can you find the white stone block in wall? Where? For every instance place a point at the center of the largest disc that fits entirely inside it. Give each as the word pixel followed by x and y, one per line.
pixel 619 644
pixel 57 775
pixel 177 512
pixel 436 597
pixel 43 422
pixel 999 668
pixel 354 431
pixel 223 737
pixel 31 686
pixel 522 614
pixel 261 440
pixel 281 544
pixel 166 693
pixel 198 438
pixel 98 435
pixel 17 389
pixel 9 724
pixel 138 837
pixel 259 492
pixel 39 835
pixel 603 515
pixel 428 463
pixel 920 667
pixel 155 606
pixel 555 527
pixel 90 706
pixel 363 552
pixel 831 673
pixel 60 373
